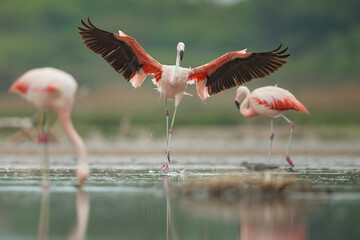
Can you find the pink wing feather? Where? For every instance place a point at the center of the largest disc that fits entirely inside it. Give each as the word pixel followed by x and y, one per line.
pixel 22 85
pixel 276 98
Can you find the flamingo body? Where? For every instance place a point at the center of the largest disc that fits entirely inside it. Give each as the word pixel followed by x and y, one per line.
pixel 42 88
pixel 52 89
pixel 126 56
pixel 270 101
pixel 169 86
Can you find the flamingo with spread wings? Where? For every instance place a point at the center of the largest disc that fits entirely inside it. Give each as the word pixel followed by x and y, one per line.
pixel 270 101
pixel 127 57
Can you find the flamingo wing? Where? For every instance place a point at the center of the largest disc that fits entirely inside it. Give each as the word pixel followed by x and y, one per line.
pixel 122 52
pixel 23 86
pixel 276 98
pixel 236 68
pixel 20 87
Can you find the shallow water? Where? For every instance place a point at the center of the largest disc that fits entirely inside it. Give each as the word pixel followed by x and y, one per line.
pixel 128 198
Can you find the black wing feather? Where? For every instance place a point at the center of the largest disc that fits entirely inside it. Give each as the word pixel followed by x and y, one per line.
pixel 242 70
pixel 117 53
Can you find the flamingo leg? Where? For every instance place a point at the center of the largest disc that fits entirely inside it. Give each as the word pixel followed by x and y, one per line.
pixel 271 139
pixel 167 120
pixel 292 126
pixel 44 154
pixel 170 132
pixel 48 119
pixel 165 166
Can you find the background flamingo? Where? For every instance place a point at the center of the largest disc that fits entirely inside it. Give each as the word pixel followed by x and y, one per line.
pixel 52 89
pixel 270 101
pixel 127 57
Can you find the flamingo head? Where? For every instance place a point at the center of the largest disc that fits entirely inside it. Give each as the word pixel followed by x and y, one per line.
pixel 241 92
pixel 181 48
pixel 237 104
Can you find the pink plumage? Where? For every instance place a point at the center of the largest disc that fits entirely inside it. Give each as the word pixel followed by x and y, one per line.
pixel 46 88
pixel 127 57
pixel 53 89
pixel 270 101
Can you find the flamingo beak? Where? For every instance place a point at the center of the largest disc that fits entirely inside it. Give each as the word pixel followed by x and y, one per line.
pixel 237 104
pixel 181 55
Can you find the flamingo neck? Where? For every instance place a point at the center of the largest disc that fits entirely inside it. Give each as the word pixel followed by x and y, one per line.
pixel 65 119
pixel 177 68
pixel 245 109
pixel 177 64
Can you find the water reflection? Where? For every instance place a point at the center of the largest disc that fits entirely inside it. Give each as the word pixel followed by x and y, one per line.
pixel 44 220
pixel 271 219
pixel 139 205
pixel 252 214
pixel 251 219
pixel 82 213
pixel 170 235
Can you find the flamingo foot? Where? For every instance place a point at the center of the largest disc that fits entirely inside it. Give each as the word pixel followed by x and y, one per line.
pixel 289 161
pixel 165 167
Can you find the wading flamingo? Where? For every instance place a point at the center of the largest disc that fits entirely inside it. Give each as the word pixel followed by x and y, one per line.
pixel 127 57
pixel 52 89
pixel 270 101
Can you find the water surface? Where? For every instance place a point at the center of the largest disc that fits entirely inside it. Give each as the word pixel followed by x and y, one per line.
pixel 128 198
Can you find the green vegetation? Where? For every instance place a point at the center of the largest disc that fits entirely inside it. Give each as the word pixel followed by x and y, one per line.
pixel 323 37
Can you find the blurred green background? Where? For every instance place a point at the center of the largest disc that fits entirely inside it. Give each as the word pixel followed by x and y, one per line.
pixel 323 71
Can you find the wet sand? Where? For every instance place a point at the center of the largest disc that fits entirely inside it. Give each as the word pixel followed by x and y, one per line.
pixel 208 141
